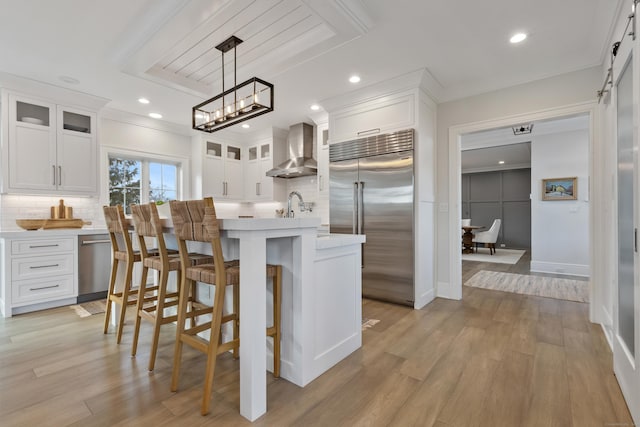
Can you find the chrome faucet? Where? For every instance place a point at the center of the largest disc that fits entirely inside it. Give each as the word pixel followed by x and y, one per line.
pixel 301 204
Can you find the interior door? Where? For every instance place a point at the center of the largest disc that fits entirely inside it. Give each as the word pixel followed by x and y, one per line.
pixel 626 347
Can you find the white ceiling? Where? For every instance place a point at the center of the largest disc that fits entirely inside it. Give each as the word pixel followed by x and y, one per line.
pixel 164 49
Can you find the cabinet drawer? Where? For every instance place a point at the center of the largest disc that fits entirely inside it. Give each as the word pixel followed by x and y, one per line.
pixel 43 289
pixel 43 266
pixel 34 247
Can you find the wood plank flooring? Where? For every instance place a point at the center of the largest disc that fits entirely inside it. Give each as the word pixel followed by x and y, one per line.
pixel 492 359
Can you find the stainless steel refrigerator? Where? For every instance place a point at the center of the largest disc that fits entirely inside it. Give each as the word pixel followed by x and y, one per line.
pixel 371 193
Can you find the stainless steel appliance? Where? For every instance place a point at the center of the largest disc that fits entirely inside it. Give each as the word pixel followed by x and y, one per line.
pixel 94 266
pixel 371 192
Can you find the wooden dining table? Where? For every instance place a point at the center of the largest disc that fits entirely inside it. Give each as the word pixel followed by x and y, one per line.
pixel 467 238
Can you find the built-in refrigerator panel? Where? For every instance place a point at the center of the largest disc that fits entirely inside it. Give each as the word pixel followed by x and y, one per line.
pixel 386 212
pixel 342 178
pixel 371 193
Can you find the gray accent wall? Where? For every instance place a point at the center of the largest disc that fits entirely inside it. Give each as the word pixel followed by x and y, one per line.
pixel 500 194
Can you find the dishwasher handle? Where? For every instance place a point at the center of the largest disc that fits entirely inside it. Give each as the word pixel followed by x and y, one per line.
pixel 93 242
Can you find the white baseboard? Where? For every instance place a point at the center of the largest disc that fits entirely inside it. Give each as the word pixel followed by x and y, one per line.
pixel 606 322
pixel 424 299
pixel 560 268
pixel 445 290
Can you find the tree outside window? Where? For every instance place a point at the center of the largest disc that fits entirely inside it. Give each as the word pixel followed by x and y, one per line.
pixel 135 181
pixel 124 182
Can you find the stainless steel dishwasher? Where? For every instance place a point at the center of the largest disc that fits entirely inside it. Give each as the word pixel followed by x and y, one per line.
pixel 94 266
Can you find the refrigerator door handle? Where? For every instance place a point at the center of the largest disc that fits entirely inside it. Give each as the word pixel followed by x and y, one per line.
pixel 354 221
pixel 360 207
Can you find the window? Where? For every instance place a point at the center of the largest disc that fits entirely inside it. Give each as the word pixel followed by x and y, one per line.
pixel 134 181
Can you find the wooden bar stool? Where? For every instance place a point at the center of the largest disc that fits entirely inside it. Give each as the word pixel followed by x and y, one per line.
pixel 195 220
pixel 153 300
pixel 124 293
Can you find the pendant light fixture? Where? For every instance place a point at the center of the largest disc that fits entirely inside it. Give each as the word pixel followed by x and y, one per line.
pixel 242 102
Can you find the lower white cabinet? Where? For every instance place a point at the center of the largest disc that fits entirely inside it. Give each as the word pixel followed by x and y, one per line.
pixel 37 273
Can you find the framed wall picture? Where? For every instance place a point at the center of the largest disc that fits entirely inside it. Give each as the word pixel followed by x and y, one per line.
pixel 560 188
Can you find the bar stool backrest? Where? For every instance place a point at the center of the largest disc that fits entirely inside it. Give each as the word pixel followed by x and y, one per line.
pixel 195 220
pixel 118 231
pixel 147 224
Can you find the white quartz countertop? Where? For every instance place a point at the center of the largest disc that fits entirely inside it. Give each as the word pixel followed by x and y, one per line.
pixel 56 232
pixel 225 224
pixel 328 241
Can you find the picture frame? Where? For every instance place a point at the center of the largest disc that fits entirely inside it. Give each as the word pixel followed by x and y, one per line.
pixel 560 188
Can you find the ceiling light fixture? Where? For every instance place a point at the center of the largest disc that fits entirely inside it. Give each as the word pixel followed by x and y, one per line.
pixel 518 37
pixel 246 126
pixel 242 102
pixel 155 115
pixel 524 129
pixel 315 107
pixel 354 79
pixel 143 100
pixel 501 162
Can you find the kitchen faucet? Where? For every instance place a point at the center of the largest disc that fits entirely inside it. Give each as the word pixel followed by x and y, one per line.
pixel 301 204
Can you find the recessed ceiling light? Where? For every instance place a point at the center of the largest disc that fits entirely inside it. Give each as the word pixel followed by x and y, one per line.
pixel 501 162
pixel 518 37
pixel 354 79
pixel 246 126
pixel 155 115
pixel 143 100
pixel 69 80
pixel 315 107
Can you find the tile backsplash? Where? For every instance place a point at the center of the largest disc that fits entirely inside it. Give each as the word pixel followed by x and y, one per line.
pixel 13 207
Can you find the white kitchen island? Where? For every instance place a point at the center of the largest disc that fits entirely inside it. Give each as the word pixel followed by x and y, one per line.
pixel 321 300
pixel 321 295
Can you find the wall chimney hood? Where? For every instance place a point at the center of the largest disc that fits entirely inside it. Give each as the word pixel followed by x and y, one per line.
pixel 300 151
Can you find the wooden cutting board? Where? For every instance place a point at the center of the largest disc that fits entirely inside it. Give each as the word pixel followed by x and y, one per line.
pixel 64 223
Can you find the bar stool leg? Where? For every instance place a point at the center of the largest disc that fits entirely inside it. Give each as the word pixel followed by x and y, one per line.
pixel 112 286
pixel 236 321
pixel 125 298
pixel 139 307
pixel 162 292
pixel 185 287
pixel 212 352
pixel 277 312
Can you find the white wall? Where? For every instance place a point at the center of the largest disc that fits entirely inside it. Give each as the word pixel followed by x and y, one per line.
pixel 553 92
pixel 560 229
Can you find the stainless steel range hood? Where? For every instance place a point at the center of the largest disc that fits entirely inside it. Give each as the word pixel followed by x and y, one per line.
pixel 300 150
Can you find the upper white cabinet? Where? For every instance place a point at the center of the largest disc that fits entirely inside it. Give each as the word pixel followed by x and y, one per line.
pixel 386 114
pixel 259 186
pixel 222 170
pixel 51 148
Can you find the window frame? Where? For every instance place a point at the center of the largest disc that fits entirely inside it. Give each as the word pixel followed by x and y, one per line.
pixel 181 163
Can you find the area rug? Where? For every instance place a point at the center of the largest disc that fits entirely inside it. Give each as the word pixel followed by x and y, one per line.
pixel 550 287
pixel 368 323
pixel 501 256
pixel 90 308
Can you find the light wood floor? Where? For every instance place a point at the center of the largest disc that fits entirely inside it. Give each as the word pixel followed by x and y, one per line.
pixel 492 359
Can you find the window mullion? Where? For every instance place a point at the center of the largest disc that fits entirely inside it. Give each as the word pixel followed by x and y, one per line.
pixel 144 185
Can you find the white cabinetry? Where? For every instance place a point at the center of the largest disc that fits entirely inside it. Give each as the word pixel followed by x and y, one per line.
pixel 51 148
pixel 259 186
pixel 386 114
pixel 222 171
pixel 322 142
pixel 37 273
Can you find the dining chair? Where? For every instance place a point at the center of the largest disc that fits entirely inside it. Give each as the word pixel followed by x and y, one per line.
pixel 488 237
